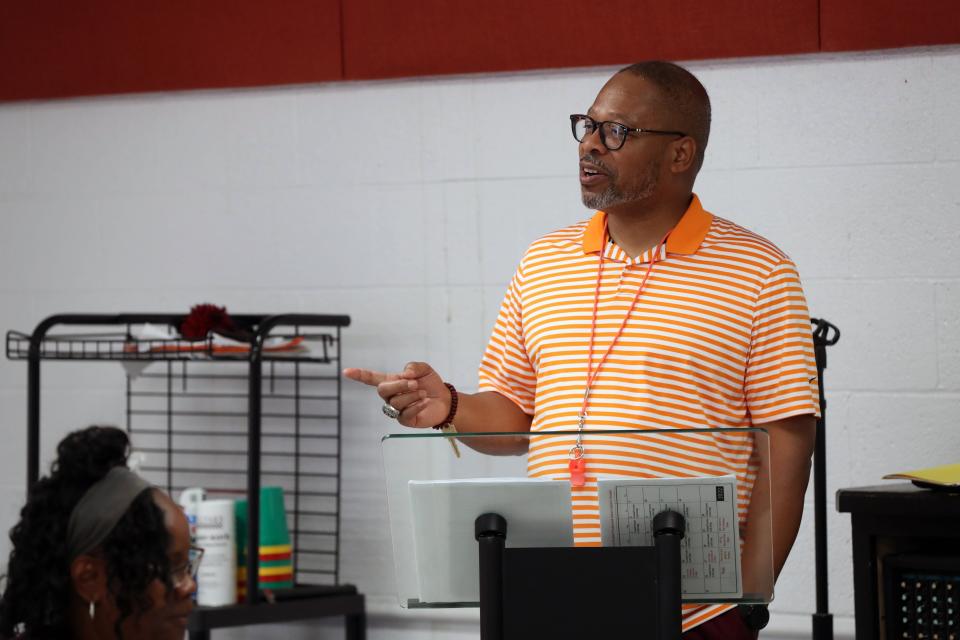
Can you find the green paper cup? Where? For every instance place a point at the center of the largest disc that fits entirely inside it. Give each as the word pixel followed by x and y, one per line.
pixel 240 511
pixel 276 553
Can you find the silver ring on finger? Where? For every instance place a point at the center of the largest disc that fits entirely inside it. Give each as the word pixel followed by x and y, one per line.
pixel 390 411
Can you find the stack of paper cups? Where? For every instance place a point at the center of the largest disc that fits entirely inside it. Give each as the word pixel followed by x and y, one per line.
pixel 240 509
pixel 276 553
pixel 216 535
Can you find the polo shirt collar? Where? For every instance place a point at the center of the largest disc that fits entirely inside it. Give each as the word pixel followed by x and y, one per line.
pixel 685 238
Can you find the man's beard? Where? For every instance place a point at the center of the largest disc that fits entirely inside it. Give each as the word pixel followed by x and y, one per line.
pixel 612 196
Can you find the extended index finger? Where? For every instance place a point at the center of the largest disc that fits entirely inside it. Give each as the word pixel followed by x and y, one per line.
pixel 369 376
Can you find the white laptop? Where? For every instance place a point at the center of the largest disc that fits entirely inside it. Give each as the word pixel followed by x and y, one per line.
pixel 537 512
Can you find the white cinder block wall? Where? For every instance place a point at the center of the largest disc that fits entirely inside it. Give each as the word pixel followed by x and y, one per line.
pixel 407 205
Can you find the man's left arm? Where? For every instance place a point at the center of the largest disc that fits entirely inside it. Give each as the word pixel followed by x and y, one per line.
pixel 781 484
pixel 780 380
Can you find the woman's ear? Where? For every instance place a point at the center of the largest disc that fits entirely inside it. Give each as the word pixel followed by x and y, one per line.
pixel 89 577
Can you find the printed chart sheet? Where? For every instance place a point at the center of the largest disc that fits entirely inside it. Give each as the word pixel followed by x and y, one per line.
pixel 710 551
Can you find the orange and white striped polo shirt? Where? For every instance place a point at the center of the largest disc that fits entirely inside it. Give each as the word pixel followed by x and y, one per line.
pixel 720 337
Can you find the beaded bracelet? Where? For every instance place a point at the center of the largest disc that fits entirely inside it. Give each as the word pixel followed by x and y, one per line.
pixel 454 400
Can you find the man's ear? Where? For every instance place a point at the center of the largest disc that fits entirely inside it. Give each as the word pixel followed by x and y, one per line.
pixel 684 154
pixel 89 577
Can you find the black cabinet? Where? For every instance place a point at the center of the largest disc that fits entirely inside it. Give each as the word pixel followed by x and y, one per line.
pixel 906 561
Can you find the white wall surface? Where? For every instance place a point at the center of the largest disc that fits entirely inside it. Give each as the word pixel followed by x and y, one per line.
pixel 407 204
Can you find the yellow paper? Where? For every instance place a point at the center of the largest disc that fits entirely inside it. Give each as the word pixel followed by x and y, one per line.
pixel 947 475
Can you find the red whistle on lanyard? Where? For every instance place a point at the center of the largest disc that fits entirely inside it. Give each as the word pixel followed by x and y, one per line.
pixel 578 472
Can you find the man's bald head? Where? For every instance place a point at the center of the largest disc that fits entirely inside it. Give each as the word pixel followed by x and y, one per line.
pixel 684 98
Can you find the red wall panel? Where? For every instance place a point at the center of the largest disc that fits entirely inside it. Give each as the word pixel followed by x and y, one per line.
pixel 51 48
pixel 61 48
pixel 389 38
pixel 848 25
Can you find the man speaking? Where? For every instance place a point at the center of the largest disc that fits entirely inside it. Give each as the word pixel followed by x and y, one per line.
pixel 652 314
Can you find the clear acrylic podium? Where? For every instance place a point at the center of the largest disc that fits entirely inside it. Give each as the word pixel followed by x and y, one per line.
pixel 491 521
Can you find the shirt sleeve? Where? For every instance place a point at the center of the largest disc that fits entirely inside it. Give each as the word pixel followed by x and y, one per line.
pixel 781 375
pixel 505 366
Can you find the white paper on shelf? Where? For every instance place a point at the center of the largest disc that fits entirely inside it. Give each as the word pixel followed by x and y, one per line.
pixel 537 512
pixel 134 368
pixel 710 550
pixel 143 334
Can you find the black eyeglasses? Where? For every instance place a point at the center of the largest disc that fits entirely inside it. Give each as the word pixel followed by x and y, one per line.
pixel 612 134
pixel 180 576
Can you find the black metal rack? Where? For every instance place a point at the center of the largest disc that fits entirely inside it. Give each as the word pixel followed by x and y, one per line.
pixel 184 419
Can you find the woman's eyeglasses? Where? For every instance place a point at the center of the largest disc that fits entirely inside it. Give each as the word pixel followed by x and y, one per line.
pixel 183 574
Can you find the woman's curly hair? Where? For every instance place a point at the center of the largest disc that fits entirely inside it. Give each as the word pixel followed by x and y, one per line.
pixel 36 597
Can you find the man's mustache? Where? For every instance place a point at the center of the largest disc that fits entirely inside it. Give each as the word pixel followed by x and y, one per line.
pixel 594 160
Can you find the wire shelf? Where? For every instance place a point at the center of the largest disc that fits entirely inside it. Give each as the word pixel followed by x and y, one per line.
pixel 312 347
pixel 190 421
pixel 227 415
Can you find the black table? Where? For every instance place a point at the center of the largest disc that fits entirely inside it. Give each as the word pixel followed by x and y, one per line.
pixel 894 519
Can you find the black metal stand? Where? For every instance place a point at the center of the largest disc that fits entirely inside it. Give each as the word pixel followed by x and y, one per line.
pixel 579 592
pixel 300 602
pixel 318 602
pixel 824 335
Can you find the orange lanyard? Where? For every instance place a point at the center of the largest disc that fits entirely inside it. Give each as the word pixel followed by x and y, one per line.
pixel 577 463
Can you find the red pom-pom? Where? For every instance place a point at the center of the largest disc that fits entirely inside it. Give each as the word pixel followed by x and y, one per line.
pixel 205 318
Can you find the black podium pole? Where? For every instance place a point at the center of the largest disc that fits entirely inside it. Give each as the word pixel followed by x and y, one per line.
pixel 490 530
pixel 667 533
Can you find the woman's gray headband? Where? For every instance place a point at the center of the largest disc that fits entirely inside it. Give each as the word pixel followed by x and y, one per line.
pixel 100 509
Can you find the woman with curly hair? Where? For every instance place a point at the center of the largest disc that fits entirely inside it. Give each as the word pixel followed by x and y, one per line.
pixel 98 553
